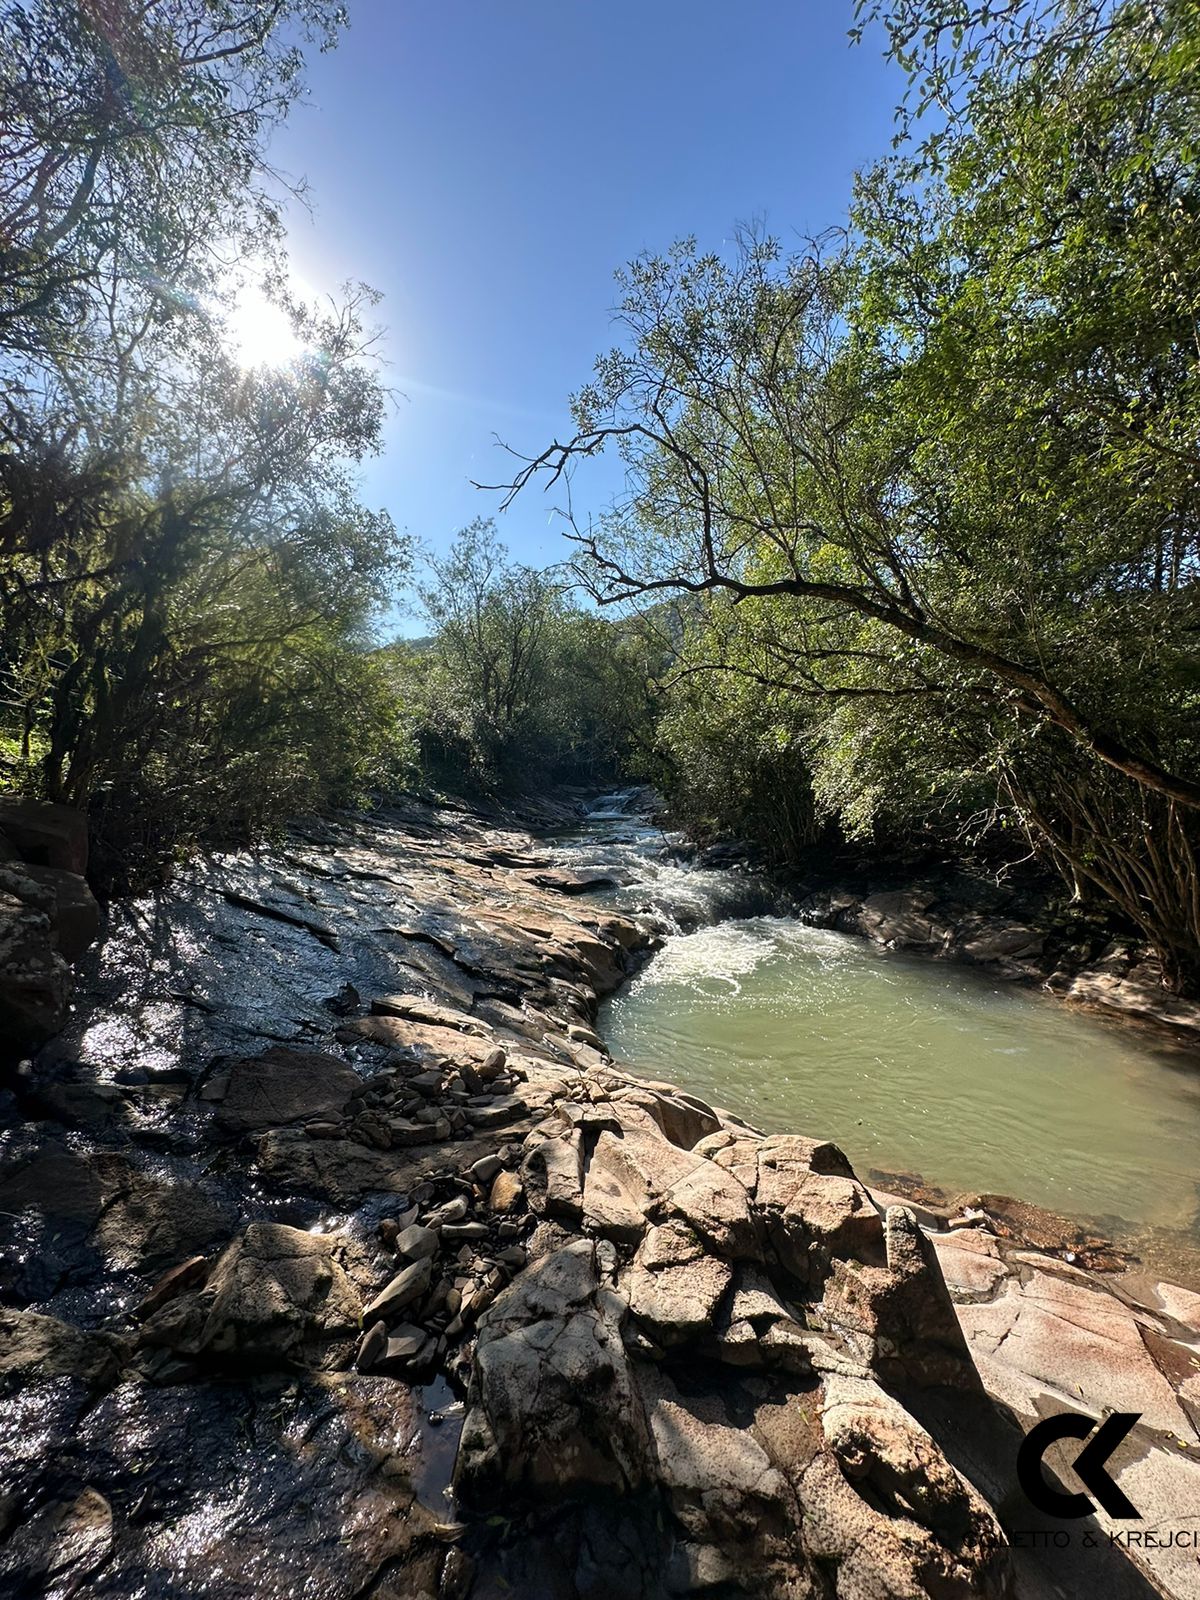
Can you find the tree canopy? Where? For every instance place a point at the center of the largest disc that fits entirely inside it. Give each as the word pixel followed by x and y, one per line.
pixel 518 684
pixel 187 574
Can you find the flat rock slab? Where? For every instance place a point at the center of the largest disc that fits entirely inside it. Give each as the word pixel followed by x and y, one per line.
pixel 432 1043
pixel 1047 1338
pixel 275 1486
pixel 1076 1341
pixel 283 1086
pixel 419 1008
pixel 1140 996
pixel 565 881
pixel 343 1171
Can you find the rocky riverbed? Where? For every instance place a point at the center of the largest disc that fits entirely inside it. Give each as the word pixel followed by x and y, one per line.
pixel 1073 952
pixel 339 1256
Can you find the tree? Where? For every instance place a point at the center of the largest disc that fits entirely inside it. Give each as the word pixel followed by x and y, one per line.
pixel 491 619
pixel 949 458
pixel 517 685
pixel 734 744
pixel 175 612
pixel 134 183
pixel 187 576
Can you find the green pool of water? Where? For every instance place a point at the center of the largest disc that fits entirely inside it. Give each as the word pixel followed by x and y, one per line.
pixel 922 1068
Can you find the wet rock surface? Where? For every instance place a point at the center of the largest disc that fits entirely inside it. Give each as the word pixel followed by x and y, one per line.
pixel 340 1259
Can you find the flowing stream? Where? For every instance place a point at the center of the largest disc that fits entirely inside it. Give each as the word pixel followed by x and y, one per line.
pixel 913 1066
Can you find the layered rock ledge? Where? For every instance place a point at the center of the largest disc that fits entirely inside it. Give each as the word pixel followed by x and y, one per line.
pixel 339 1257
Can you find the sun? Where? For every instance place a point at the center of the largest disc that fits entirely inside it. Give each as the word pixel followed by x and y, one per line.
pixel 259 333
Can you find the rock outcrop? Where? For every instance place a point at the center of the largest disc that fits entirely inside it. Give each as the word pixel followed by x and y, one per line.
pixel 1018 937
pixel 48 918
pixel 340 1258
pixel 669 1321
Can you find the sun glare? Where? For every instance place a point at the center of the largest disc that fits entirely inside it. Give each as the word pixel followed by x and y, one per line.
pixel 259 333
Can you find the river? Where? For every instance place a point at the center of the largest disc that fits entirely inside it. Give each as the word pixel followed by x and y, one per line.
pixel 914 1067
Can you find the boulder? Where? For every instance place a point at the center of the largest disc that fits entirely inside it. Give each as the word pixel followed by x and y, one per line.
pixel 683 1118
pixel 485 1169
pixel 552 1403
pixel 506 1193
pixel 753 1328
pixel 34 978
pixel 673 1286
pixel 717 1206
pixel 876 1442
pixel 277 1295
pixel 622 1184
pixel 899 1318
pixel 899 917
pixel 189 1274
pixel 56 1551
pixel 638 1177
pixel 718 1479
pixel 1001 942
pixel 810 1218
pixel 45 834
pixel 414 1243
pixel 75 919
pixel 38 1349
pixel 553 1175
pixel 498 1112
pixel 493 1064
pixel 409 1284
pixel 1139 991
pixel 884 1505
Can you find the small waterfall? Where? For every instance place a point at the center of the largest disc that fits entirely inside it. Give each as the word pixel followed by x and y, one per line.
pixel 652 870
pixel 919 1069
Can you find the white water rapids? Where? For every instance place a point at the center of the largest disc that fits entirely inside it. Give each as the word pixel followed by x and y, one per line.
pixel 913 1066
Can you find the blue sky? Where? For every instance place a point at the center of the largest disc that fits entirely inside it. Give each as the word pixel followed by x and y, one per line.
pixel 488 167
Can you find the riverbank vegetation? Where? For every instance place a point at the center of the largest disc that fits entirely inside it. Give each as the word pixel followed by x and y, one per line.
pixel 186 573
pixel 908 550
pixel 517 685
pixel 931 483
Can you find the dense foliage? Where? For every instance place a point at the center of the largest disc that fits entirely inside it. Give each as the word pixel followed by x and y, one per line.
pixel 186 574
pixel 517 685
pixel 935 483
